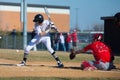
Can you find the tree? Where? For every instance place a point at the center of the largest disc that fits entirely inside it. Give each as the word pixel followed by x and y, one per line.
pixel 98 27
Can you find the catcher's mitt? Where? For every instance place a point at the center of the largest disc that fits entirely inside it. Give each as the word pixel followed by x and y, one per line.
pixel 72 54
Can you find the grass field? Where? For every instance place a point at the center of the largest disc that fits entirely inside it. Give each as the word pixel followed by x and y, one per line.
pixel 44 56
pixel 12 54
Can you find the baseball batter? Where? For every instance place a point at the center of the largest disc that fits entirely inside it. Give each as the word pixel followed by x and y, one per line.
pixel 101 53
pixel 42 28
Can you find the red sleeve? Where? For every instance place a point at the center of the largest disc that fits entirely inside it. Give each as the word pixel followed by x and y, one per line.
pixel 71 35
pixel 88 47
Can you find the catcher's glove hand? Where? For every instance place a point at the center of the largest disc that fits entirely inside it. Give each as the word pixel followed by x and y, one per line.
pixel 72 54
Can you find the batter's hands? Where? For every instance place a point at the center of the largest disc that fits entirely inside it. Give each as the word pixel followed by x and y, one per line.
pixel 53 27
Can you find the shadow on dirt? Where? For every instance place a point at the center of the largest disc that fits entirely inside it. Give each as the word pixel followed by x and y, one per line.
pixel 73 68
pixel 4 64
pixel 38 65
pixel 77 68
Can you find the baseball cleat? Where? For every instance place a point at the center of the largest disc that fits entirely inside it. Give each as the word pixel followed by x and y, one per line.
pixel 21 64
pixel 60 65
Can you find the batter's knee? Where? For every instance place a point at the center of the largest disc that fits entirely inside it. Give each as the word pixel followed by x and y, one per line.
pixel 26 51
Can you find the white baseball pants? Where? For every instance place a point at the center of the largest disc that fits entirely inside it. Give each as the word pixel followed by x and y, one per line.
pixel 36 40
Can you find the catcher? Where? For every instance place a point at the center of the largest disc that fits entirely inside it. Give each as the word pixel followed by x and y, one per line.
pixel 101 52
pixel 42 28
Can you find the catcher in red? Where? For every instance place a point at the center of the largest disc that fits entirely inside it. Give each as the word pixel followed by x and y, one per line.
pixel 101 52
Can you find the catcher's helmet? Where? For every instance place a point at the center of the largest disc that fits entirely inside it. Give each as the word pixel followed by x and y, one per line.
pixel 98 37
pixel 38 18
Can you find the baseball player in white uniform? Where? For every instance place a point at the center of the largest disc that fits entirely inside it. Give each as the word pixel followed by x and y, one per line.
pixel 42 28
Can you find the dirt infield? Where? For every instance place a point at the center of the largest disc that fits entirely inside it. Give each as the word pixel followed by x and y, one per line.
pixel 8 68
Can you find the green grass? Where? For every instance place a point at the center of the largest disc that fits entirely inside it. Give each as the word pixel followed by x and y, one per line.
pixel 45 56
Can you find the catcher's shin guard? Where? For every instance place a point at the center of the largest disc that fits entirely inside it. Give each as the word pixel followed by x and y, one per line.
pixel 58 60
pixel 87 66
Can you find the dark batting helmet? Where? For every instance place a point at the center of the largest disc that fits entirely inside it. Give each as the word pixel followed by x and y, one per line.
pixel 38 18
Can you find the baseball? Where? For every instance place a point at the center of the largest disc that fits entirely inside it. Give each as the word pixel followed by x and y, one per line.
pixel 17 50
pixel 0 37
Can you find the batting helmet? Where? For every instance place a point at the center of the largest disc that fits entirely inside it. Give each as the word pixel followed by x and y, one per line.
pixel 98 37
pixel 38 18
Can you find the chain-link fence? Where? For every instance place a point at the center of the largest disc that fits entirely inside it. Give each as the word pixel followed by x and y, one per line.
pixel 11 42
pixel 15 41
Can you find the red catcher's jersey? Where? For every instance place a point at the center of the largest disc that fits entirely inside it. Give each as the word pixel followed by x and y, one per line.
pixel 100 51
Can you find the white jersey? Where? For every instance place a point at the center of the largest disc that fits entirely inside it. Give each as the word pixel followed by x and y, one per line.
pixel 37 39
pixel 38 28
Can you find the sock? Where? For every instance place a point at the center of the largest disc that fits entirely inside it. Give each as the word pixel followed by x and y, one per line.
pixel 25 57
pixel 56 57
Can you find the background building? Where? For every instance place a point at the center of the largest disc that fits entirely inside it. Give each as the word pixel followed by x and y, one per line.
pixel 10 16
pixel 112 32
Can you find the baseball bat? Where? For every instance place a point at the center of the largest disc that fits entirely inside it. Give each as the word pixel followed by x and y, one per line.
pixel 48 15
